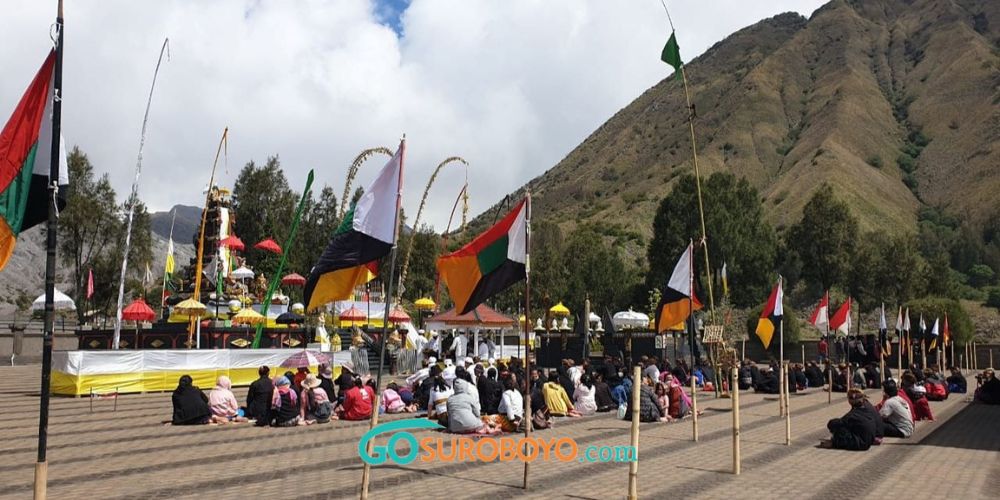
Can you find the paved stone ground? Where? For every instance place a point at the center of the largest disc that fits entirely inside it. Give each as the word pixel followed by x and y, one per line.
pixel 131 454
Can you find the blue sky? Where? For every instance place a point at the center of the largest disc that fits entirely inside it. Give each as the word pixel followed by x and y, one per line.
pixel 390 11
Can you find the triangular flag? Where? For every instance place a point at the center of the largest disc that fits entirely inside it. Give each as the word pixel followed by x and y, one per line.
pixel 770 316
pixel 677 300
pixel 821 315
pixel 841 321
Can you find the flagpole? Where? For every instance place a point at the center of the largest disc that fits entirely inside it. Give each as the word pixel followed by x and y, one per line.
pixel 194 322
pixel 366 470
pixel 527 339
pixel 134 197
pixel 55 151
pixel 266 306
pixel 697 177
pixel 694 388
pixel 170 239
pixel 781 355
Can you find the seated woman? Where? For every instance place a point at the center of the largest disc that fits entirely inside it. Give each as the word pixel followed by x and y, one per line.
pixel 259 397
pixel 190 404
pixel 358 402
pixel 392 401
pixel 649 407
pixel 437 403
pixel 222 402
pixel 511 408
pixel 315 406
pixel 585 403
pixel 680 402
pixel 284 404
pixel 556 398
pixel 463 411
pixel 856 430
pixel 602 394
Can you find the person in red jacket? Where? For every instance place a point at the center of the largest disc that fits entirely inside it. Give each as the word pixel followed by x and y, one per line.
pixel 358 402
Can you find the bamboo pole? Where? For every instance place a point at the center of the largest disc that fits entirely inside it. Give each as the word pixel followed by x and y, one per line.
pixel 527 329
pixel 633 466
pixel 788 417
pixel 803 355
pixel 781 364
pixel 991 357
pixel 735 391
pixel 194 322
pixel 366 470
pixel 829 372
pixel 694 408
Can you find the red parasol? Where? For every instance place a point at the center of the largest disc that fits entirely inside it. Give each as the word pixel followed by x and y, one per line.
pixel 269 245
pixel 233 243
pixel 294 279
pixel 138 310
pixel 398 315
pixel 353 314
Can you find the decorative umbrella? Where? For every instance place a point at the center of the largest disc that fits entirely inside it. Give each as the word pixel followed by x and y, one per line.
pixel 305 358
pixel 138 310
pixel 559 310
pixel 630 319
pixel 425 304
pixel 248 317
pixel 290 318
pixel 294 279
pixel 353 314
pixel 190 307
pixel 269 245
pixel 398 315
pixel 241 273
pixel 60 300
pixel 233 243
pixel 298 308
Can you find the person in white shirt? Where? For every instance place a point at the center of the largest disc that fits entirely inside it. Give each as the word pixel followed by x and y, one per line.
pixel 895 412
pixel 460 345
pixel 583 396
pixel 414 380
pixel 437 403
pixel 484 349
pixel 511 407
pixel 448 374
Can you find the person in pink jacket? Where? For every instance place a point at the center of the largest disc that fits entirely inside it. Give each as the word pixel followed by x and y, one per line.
pixel 223 403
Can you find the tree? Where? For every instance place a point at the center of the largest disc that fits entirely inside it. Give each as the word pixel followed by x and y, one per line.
pixel 825 239
pixel 88 227
pixel 981 275
pixel 738 235
pixel 548 270
pixel 264 206
pixel 319 221
pixel 596 270
pixel 887 269
pixel 422 274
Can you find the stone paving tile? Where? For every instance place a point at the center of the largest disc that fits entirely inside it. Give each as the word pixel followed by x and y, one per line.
pixel 130 454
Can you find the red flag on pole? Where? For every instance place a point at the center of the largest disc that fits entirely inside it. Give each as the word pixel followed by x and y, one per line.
pixel 90 283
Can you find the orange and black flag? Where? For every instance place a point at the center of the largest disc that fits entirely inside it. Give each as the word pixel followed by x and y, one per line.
pixel 678 299
pixel 770 317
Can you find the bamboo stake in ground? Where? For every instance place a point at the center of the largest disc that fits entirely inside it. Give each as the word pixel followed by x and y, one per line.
pixel 788 417
pixel 829 372
pixel 694 408
pixel 735 392
pixel 803 355
pixel 633 466
pixel 991 357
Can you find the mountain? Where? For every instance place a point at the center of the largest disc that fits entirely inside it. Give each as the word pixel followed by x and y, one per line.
pixel 185 227
pixel 25 273
pixel 895 103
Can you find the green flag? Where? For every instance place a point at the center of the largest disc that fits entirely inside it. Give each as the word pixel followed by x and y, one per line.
pixel 672 55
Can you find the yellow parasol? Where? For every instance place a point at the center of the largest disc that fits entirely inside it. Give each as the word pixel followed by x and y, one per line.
pixel 190 307
pixel 248 317
pixel 559 310
pixel 425 304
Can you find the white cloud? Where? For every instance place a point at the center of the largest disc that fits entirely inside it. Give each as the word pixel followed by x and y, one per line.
pixel 512 86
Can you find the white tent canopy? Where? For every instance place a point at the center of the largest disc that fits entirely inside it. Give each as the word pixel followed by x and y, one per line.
pixel 241 273
pixel 630 319
pixel 60 300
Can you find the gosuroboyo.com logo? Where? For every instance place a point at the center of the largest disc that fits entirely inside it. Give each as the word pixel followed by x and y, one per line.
pixel 402 447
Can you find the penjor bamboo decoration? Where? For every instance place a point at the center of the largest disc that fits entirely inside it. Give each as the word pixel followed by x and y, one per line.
pixel 353 171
